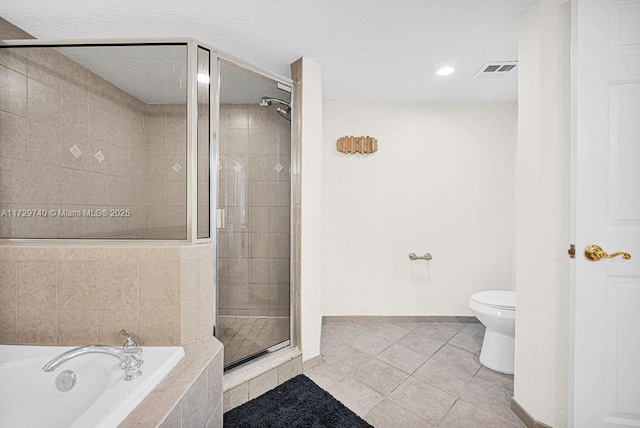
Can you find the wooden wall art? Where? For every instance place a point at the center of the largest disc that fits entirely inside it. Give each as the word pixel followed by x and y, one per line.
pixel 351 144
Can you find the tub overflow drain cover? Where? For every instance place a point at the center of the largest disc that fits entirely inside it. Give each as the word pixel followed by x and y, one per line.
pixel 66 381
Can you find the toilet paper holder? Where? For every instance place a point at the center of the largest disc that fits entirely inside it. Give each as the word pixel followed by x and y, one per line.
pixel 413 256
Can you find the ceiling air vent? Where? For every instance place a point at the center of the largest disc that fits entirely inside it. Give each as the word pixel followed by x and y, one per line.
pixel 494 70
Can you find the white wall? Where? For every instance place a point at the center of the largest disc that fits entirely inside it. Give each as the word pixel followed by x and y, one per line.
pixel 441 182
pixel 542 213
pixel 312 208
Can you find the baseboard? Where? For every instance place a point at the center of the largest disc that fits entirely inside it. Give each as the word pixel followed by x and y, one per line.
pixel 311 362
pixel 399 318
pixel 525 416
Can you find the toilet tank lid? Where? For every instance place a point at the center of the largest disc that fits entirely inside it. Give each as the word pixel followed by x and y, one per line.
pixel 496 298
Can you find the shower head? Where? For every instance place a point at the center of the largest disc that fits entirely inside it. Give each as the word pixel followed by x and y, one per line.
pixel 267 101
pixel 285 113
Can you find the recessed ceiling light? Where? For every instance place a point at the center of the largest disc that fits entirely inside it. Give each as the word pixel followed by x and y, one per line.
pixel 203 78
pixel 445 71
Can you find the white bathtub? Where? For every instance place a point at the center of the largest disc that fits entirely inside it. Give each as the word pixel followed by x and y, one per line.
pixel 101 398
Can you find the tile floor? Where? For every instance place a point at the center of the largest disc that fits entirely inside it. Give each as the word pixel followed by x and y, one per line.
pixel 414 375
pixel 243 336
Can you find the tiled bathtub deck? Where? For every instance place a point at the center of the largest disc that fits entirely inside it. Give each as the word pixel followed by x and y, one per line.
pixel 414 375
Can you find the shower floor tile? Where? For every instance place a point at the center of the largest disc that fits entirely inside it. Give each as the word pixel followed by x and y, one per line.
pixel 244 336
pixel 414 375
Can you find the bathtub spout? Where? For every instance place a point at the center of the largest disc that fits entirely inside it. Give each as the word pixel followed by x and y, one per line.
pixel 129 358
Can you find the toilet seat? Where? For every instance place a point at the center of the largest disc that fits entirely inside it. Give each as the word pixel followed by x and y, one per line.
pixel 497 299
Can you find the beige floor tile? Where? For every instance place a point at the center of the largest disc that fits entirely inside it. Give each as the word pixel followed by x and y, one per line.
pixel 345 357
pixel 469 342
pixel 402 358
pixel 360 381
pixel 497 378
pixel 369 343
pixel 343 328
pixel 460 358
pixel 474 329
pixel 424 400
pixel 380 376
pixel 330 340
pixel 409 325
pixel 337 333
pixel 388 331
pixel 388 414
pixel 324 374
pixel 464 415
pixel 421 343
pixel 438 331
pixel 490 398
pixel 443 376
pixel 355 395
pixel 457 326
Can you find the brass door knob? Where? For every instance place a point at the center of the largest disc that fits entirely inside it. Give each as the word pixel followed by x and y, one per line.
pixel 594 252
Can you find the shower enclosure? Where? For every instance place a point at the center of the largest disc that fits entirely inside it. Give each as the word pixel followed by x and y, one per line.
pixel 169 141
pixel 255 204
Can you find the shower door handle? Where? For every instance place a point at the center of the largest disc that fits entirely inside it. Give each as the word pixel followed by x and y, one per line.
pixel 221 218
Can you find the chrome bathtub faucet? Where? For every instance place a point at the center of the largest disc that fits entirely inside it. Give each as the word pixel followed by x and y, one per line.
pixel 129 357
pixel 129 341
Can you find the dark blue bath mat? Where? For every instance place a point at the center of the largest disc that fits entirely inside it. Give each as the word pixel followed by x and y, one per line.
pixel 298 402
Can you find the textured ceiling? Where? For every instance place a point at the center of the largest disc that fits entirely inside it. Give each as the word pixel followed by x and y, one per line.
pixel 378 50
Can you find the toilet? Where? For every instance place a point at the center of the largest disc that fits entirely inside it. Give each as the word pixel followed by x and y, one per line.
pixel 497 311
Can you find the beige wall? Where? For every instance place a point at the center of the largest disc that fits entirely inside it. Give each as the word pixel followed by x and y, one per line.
pixel 76 295
pixel 253 249
pixel 542 212
pixel 48 105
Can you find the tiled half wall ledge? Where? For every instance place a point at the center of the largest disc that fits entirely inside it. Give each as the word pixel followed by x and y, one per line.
pixel 255 378
pixel 163 295
pixel 190 396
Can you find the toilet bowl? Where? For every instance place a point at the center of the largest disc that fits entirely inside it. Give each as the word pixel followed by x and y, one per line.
pixel 497 311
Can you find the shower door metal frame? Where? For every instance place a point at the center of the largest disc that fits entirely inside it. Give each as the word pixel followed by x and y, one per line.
pixel 279 80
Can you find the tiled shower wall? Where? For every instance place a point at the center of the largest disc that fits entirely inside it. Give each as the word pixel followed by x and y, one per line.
pixel 164 166
pixel 72 295
pixel 253 249
pixel 130 155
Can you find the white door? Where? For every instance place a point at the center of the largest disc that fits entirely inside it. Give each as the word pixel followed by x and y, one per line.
pixel 606 149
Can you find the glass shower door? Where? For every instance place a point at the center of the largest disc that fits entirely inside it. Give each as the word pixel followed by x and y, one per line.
pixel 253 250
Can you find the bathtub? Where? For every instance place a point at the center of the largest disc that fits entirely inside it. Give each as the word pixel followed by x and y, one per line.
pixel 101 398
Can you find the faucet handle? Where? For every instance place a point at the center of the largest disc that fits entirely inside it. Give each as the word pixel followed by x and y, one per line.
pixel 129 342
pixel 131 366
